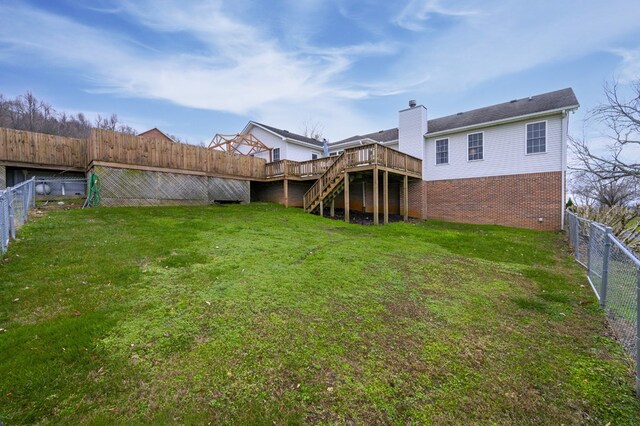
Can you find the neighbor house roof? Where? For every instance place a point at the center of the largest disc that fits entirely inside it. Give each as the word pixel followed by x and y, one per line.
pixel 157 133
pixel 560 99
pixel 289 135
pixel 380 136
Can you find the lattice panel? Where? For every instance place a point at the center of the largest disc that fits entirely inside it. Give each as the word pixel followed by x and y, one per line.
pixel 127 187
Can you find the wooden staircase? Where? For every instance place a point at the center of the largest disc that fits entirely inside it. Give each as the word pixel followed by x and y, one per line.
pixel 357 159
pixel 327 187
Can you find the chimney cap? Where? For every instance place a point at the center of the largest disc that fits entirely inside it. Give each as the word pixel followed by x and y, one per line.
pixel 412 103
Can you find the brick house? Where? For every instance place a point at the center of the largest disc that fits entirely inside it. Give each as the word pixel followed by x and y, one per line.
pixel 502 164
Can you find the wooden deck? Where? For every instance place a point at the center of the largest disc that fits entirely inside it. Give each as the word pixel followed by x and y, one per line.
pixel 373 158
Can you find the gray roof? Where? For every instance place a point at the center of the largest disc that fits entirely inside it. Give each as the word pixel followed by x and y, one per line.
pixel 290 135
pixel 550 101
pixel 380 136
pixel 564 98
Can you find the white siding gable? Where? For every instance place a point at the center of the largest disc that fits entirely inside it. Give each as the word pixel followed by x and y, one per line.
pixel 288 150
pixel 504 149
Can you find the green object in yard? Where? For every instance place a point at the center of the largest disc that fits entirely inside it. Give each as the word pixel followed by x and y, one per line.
pixel 93 197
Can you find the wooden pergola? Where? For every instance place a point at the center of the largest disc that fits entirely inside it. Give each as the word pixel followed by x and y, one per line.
pixel 233 144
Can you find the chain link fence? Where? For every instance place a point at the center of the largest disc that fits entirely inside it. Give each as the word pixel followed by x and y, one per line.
pixel 613 271
pixel 15 203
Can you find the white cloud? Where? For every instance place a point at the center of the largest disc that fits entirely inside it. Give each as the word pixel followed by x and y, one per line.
pixel 629 69
pixel 511 37
pixel 240 70
pixel 416 14
pixel 274 72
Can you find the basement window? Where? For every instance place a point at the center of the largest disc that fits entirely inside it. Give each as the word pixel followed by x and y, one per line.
pixel 475 146
pixel 442 151
pixel 537 137
pixel 276 154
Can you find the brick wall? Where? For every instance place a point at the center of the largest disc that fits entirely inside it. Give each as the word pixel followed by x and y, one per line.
pixel 513 200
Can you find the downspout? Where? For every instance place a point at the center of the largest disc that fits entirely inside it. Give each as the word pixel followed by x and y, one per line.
pixel 563 137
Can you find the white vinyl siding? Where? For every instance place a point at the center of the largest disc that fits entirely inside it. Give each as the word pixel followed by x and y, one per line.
pixel 475 144
pixel 537 137
pixel 442 151
pixel 507 155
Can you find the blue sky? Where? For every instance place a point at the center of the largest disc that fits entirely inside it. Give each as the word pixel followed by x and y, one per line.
pixel 196 68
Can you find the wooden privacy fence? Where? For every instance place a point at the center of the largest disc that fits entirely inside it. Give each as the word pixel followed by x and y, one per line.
pixel 37 148
pixel 113 147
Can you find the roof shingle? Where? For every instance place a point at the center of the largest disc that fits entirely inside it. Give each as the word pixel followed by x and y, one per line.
pixel 290 135
pixel 540 103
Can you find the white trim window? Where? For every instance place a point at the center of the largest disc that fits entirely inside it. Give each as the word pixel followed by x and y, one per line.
pixel 314 156
pixel 276 154
pixel 475 146
pixel 537 137
pixel 442 151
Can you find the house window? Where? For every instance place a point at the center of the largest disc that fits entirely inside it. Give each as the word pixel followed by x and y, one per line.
pixel 333 154
pixel 476 151
pixel 276 154
pixel 442 151
pixel 314 156
pixel 537 137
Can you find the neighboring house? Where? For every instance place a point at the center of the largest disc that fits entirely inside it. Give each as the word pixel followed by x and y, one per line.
pixel 285 145
pixel 155 133
pixel 504 164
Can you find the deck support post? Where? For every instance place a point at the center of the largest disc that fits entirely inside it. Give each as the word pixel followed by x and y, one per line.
pixel 376 200
pixel 385 194
pixel 321 208
pixel 332 211
pixel 346 197
pixel 405 195
pixel 286 193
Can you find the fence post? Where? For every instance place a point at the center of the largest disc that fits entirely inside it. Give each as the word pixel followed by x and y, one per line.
pixel 577 238
pixel 12 223
pixel 605 267
pixel 26 202
pixel 589 248
pixel 637 332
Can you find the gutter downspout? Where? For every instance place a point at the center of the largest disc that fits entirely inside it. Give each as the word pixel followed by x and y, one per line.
pixel 564 128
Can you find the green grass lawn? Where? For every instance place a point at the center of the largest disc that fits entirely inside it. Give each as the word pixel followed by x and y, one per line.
pixel 259 314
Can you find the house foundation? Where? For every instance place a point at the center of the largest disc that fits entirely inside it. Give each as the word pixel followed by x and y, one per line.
pixel 525 200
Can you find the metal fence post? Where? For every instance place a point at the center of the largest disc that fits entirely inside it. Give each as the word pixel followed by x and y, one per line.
pixel 605 267
pixel 637 332
pixel 577 238
pixel 589 248
pixel 25 204
pixel 12 222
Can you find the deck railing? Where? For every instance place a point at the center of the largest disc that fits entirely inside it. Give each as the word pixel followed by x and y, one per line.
pixel 361 156
pixel 290 168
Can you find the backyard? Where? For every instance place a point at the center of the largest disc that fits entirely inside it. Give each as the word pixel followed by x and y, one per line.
pixel 260 314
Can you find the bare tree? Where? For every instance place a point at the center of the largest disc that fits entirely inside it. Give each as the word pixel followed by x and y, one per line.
pixel 26 112
pixel 621 117
pixel 312 129
pixel 590 190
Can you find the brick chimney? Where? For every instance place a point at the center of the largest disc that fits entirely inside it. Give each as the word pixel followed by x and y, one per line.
pixel 412 125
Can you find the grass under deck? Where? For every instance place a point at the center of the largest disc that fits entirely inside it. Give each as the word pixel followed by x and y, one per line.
pixel 260 314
